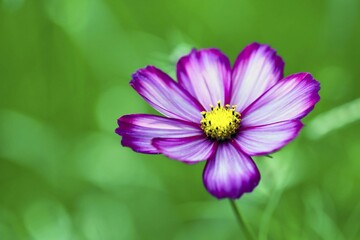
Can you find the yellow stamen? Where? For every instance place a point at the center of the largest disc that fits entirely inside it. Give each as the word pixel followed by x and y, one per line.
pixel 220 123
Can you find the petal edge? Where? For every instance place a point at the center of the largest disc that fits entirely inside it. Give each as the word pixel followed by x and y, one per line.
pixel 230 173
pixel 189 149
pixel 256 69
pixel 165 95
pixel 266 139
pixel 137 130
pixel 206 74
pixel 291 98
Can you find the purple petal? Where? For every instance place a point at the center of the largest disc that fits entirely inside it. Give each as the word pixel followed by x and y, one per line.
pixel 165 95
pixel 206 75
pixel 230 172
pixel 138 130
pixel 266 139
pixel 256 69
pixel 189 149
pixel 291 98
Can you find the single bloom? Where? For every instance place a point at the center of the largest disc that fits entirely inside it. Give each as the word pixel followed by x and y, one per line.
pixel 220 114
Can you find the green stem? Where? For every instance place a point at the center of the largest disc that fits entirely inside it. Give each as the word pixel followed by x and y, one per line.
pixel 241 221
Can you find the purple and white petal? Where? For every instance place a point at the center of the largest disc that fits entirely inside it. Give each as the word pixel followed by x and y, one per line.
pixel 266 139
pixel 230 172
pixel 189 149
pixel 165 95
pixel 206 75
pixel 291 98
pixel 138 130
pixel 256 69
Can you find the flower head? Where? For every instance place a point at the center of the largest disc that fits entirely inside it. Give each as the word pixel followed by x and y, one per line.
pixel 220 114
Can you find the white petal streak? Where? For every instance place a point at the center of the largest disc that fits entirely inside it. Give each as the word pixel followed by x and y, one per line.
pixel 230 172
pixel 138 130
pixel 256 69
pixel 266 139
pixel 291 98
pixel 190 149
pixel 165 95
pixel 206 75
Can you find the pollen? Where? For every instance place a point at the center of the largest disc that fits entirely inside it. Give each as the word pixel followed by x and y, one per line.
pixel 221 122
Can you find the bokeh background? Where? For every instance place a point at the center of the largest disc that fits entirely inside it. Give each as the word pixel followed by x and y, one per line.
pixel 64 72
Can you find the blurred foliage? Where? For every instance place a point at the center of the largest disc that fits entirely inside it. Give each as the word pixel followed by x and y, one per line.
pixel 65 67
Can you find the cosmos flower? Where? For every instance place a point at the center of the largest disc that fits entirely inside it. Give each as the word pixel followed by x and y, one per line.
pixel 220 114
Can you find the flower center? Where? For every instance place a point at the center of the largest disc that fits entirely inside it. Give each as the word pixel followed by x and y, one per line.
pixel 220 123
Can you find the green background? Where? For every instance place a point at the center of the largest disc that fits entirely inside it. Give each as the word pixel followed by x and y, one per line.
pixel 64 72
